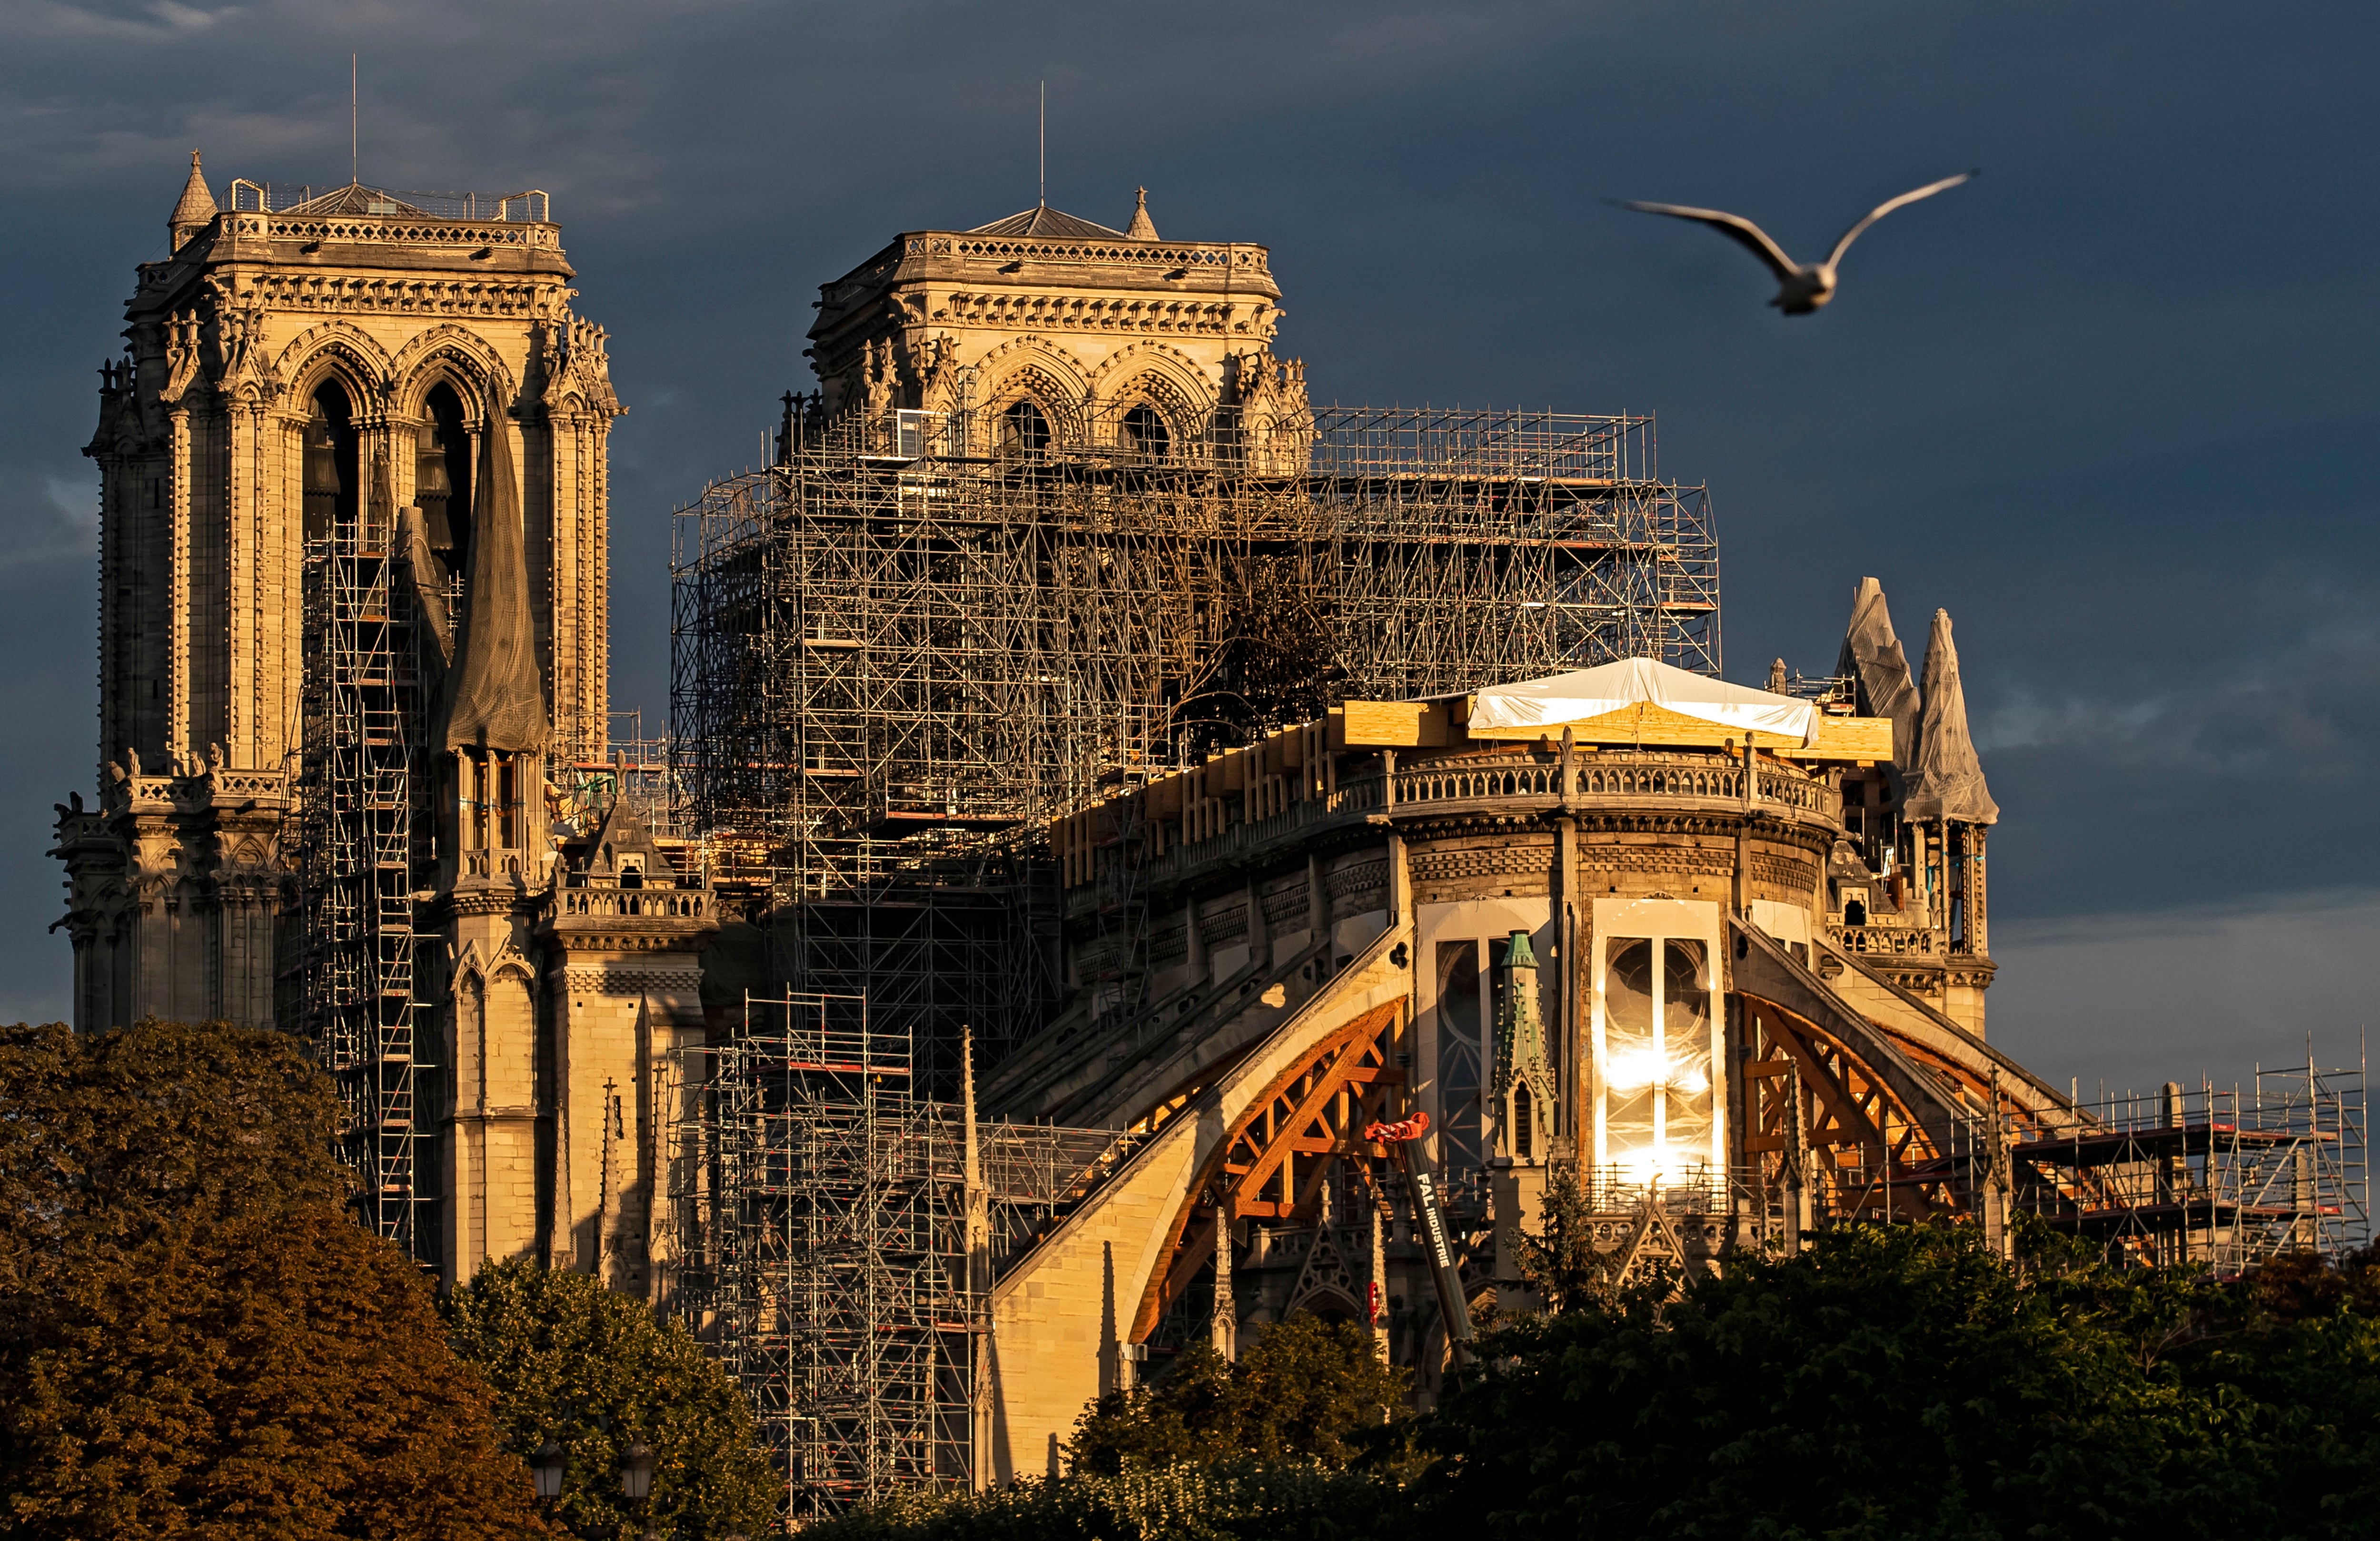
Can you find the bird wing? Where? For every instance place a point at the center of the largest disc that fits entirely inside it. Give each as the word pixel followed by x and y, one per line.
pixel 1735 227
pixel 1928 190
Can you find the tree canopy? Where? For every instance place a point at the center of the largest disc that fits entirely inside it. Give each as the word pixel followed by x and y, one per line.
pixel 1886 1383
pixel 1305 1390
pixel 595 1371
pixel 1903 1382
pixel 196 1339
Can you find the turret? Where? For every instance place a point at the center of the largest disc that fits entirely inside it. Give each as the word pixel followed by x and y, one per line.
pixel 1948 802
pixel 195 211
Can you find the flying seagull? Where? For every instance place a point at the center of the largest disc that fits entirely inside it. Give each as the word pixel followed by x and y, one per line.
pixel 1803 289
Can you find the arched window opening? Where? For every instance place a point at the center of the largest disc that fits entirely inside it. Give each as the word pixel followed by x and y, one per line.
pixel 1855 912
pixel 442 476
pixel 330 476
pixel 488 800
pixel 1525 1125
pixel 1461 1058
pixel 1023 430
pixel 1145 433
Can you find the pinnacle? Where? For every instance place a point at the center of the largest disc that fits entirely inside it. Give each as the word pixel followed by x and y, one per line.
pixel 1142 228
pixel 196 208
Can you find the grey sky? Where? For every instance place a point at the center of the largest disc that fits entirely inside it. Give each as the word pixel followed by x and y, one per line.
pixel 2111 404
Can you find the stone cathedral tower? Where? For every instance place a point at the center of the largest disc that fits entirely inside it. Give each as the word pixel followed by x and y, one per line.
pixel 352 652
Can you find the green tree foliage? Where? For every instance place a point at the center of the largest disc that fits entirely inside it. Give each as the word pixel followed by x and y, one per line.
pixel 1560 1263
pixel 595 1371
pixel 1237 1500
pixel 110 1138
pixel 1901 1382
pixel 1306 1389
pixel 194 1339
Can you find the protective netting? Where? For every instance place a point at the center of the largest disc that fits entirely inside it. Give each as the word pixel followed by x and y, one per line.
pixel 1872 653
pixel 1948 780
pixel 495 699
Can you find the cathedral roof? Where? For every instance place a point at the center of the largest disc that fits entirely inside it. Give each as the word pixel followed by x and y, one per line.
pixel 355 199
pixel 197 206
pixel 1049 224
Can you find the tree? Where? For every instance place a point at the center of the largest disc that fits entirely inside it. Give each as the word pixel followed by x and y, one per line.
pixel 1233 1501
pixel 110 1138
pixel 278 1375
pixel 595 1371
pixel 1561 1262
pixel 1306 1389
pixel 1904 1382
pixel 195 1338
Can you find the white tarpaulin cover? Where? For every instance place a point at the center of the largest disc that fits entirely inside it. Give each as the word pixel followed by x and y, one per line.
pixel 1548 703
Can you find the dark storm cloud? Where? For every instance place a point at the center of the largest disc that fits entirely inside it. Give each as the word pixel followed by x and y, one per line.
pixel 2110 403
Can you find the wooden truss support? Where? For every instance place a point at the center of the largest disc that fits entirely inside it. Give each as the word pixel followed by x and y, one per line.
pixel 1271 1162
pixel 1865 1149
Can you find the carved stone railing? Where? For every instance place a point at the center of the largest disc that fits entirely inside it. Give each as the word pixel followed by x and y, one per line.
pixel 1528 782
pixel 1886 940
pixel 391 230
pixel 1196 256
pixel 1793 790
pixel 663 902
pixel 1474 780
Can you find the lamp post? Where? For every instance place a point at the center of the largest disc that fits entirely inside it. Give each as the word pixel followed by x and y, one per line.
pixel 545 1463
pixel 637 1482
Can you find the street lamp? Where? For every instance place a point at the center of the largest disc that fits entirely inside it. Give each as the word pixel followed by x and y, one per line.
pixel 546 1464
pixel 637 1481
pixel 636 1471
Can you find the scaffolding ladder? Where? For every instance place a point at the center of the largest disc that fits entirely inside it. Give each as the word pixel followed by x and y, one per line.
pixel 353 981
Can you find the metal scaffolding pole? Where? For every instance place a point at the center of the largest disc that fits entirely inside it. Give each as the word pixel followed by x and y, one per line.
pixel 902 649
pixel 349 986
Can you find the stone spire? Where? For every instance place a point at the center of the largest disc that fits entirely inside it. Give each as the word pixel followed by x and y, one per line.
pixel 197 209
pixel 1142 227
pixel 1948 782
pixel 1872 656
pixel 1524 1083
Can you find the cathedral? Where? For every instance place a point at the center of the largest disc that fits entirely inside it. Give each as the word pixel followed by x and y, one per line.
pixel 1478 872
pixel 353 588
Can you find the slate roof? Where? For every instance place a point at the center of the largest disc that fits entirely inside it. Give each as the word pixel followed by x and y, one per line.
pixel 1045 222
pixel 355 199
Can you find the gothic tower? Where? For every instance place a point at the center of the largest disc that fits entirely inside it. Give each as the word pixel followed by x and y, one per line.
pixel 352 664
pixel 1047 330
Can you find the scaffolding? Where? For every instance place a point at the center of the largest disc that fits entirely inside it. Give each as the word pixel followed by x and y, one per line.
pixel 839 1246
pixel 350 984
pixel 2224 1177
pixel 899 649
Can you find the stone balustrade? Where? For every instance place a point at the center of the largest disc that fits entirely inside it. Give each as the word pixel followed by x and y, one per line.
pixel 673 904
pixel 1886 940
pixel 1603 781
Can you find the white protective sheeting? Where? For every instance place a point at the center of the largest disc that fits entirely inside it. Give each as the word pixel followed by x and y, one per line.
pixel 1572 698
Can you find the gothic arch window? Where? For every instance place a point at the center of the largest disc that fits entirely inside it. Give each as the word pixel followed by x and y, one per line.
pixel 1024 430
pixel 1143 432
pixel 441 475
pixel 1461 1058
pixel 330 470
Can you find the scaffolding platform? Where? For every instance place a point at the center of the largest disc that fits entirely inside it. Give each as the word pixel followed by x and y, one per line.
pixel 346 982
pixel 899 650
pixel 2224 1177
pixel 840 1237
